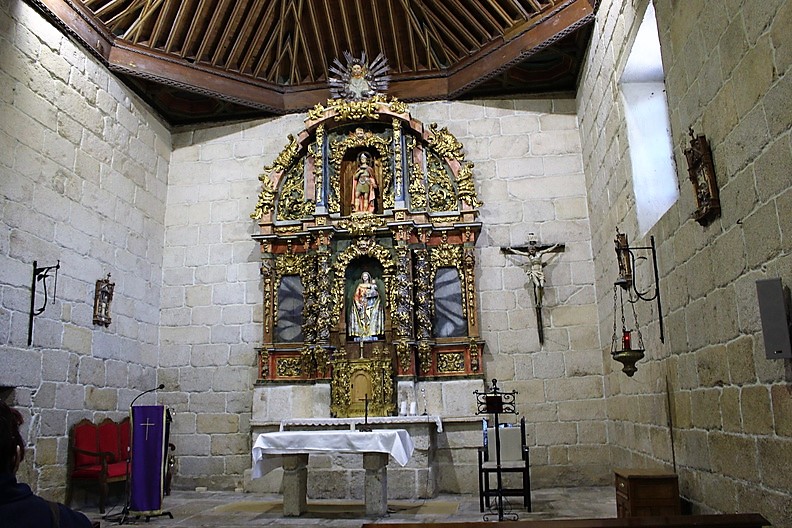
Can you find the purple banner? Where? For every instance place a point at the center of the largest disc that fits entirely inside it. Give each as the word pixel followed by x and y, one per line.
pixel 148 451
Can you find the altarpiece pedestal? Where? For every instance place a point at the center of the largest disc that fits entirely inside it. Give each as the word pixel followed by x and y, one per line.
pixel 368 222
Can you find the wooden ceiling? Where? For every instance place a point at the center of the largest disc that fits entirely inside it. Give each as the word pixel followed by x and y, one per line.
pixel 212 60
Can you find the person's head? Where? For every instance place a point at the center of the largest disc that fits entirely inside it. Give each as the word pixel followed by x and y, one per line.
pixel 364 158
pixel 357 70
pixel 365 276
pixel 12 447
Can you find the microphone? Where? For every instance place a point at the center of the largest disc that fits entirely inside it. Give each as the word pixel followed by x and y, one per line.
pixel 158 387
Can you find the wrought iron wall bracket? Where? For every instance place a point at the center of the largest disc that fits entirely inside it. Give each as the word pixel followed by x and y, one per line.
pixel 40 274
pixel 627 259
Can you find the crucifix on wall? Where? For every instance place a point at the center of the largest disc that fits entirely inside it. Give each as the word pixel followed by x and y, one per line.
pixel 534 253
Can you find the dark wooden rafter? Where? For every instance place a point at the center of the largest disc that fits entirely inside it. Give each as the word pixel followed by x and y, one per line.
pixel 242 40
pixel 436 49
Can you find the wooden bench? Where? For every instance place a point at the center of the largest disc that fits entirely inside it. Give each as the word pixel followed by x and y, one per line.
pixel 728 520
pixel 98 453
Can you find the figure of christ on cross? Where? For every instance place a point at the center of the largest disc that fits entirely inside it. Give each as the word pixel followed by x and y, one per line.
pixel 534 269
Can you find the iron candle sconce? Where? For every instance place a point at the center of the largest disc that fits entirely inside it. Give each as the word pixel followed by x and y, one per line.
pixel 627 346
pixel 40 274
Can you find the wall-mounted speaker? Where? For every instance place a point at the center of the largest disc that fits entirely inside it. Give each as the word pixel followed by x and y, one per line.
pixel 775 322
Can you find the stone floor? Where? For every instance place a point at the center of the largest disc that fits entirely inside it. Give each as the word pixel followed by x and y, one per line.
pixel 222 509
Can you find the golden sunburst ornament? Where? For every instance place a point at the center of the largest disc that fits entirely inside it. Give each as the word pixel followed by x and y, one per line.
pixel 358 80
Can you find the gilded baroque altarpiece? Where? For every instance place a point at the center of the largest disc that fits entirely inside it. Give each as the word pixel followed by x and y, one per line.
pixel 367 228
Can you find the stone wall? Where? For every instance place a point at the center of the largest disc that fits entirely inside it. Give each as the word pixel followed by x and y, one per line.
pixel 83 179
pixel 727 77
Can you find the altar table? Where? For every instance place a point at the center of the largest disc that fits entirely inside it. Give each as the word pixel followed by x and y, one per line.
pixel 291 449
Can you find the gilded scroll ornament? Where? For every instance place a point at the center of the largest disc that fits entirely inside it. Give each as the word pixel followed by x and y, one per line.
pixel 425 356
pixel 292 204
pixel 469 263
pixel 358 110
pixel 465 188
pixel 316 113
pixel 442 196
pixel 266 198
pixel 263 364
pixel 398 107
pixel 401 316
pixel 286 157
pixel 362 224
pixel 417 188
pixel 423 295
pixel 324 299
pixel 266 273
pixel 451 362
pixel 444 143
pixel 403 355
pixel 473 351
pixel 288 367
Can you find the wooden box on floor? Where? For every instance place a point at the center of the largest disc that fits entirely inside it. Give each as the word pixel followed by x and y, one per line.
pixel 646 492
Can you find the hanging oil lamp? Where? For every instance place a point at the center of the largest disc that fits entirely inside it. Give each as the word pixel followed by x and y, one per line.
pixel 623 348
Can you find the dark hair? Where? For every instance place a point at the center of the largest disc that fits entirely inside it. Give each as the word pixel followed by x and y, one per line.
pixel 10 438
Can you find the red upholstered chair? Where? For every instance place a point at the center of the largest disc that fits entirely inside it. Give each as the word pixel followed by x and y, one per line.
pixel 99 454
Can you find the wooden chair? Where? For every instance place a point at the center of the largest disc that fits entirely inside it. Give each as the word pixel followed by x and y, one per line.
pixel 100 454
pixel 514 459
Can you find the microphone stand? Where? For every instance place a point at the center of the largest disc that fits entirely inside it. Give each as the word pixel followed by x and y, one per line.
pixel 123 516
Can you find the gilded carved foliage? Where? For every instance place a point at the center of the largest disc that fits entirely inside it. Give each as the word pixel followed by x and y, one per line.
pixel 263 364
pixel 362 224
pixel 423 295
pixel 469 264
pixel 402 295
pixel 266 198
pixel 465 188
pixel 451 362
pixel 442 196
pixel 416 186
pixel 266 275
pixel 444 143
pixel 425 356
pixel 292 204
pixel 288 367
pixel 324 298
pixel 284 161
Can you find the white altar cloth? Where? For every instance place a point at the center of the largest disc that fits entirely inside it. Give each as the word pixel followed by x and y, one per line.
pixel 269 446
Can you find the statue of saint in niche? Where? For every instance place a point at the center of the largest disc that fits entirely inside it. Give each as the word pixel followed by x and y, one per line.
pixel 366 314
pixel 364 195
